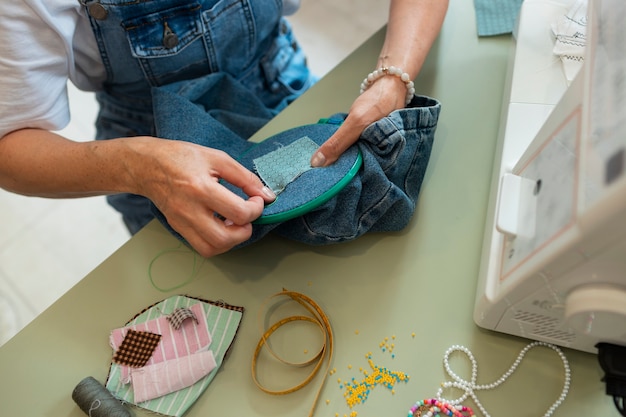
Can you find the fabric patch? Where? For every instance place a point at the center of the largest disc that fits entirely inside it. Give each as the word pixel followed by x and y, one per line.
pixel 164 378
pixel 179 315
pixel 280 167
pixel 188 339
pixel 136 348
pixel 570 31
pixel 496 17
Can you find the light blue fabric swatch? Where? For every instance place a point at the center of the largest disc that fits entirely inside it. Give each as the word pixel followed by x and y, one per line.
pixel 496 17
pixel 283 165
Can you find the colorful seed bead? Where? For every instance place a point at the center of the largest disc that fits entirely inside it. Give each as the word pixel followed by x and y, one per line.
pixel 358 391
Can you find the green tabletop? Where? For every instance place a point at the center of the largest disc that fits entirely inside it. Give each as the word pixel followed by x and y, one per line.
pixel 415 288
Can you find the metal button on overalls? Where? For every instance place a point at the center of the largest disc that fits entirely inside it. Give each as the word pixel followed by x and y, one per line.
pixel 98 11
pixel 170 39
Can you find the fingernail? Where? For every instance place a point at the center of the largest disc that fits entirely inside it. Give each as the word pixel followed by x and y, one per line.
pixel 269 193
pixel 318 160
pixel 228 222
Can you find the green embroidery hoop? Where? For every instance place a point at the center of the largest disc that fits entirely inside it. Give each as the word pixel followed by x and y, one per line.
pixel 292 202
pixel 314 203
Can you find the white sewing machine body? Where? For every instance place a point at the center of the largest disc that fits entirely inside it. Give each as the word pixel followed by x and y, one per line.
pixel 553 266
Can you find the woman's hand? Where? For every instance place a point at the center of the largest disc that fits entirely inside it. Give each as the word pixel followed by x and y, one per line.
pixel 381 98
pixel 181 178
pixel 413 26
pixel 186 188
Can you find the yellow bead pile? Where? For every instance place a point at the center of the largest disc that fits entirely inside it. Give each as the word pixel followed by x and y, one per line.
pixel 357 392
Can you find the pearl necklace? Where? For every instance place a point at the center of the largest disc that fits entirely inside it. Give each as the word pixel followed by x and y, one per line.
pixel 469 387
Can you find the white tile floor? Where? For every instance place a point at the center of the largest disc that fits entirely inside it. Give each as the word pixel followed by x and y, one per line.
pixel 46 246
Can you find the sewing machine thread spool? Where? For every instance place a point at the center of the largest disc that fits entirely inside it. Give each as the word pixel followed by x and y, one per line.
pixel 96 401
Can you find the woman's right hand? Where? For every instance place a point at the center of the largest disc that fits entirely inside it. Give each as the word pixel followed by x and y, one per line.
pixel 182 179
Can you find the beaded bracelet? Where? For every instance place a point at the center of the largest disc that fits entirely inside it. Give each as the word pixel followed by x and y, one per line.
pixel 433 407
pixel 391 70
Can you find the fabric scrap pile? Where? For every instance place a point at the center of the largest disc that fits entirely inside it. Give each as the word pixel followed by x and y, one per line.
pixel 166 356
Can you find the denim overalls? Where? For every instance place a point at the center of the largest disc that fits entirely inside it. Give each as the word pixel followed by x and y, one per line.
pixel 146 44
pixel 213 72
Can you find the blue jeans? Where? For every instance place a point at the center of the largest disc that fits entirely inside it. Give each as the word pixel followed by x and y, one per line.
pixel 149 44
pixel 382 196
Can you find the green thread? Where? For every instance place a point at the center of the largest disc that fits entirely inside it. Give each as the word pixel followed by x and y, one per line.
pixel 182 249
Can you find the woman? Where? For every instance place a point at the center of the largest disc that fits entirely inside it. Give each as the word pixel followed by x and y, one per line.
pixel 122 50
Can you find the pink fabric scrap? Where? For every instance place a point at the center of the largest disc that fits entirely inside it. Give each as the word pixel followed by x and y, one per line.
pixel 154 381
pixel 188 339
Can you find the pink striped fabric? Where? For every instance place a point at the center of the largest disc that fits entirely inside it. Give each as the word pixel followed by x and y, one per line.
pixel 154 381
pixel 174 343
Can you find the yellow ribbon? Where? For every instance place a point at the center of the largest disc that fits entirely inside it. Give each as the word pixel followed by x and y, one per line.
pixel 317 317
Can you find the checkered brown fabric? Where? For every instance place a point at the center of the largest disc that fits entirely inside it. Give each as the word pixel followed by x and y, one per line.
pixel 136 348
pixel 179 315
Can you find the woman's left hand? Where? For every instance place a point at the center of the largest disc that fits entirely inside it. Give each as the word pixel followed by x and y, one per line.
pixel 381 98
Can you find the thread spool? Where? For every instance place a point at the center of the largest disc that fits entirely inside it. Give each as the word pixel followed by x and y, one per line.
pixel 96 401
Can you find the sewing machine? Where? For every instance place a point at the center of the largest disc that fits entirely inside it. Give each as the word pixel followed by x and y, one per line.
pixel 553 266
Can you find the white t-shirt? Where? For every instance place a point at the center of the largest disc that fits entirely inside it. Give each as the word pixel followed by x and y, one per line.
pixel 43 44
